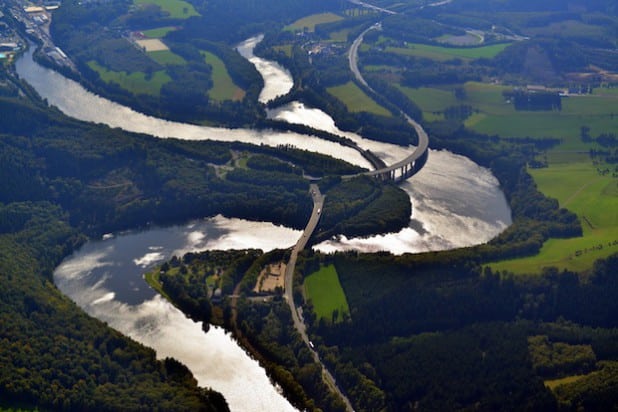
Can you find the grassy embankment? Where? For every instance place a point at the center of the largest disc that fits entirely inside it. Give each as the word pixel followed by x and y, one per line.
pixel 323 289
pixel 177 9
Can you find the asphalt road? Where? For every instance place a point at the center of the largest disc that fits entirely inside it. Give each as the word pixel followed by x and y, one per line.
pixel 423 139
pixel 318 204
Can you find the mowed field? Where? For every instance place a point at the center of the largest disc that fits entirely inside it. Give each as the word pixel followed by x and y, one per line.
pixel 494 115
pixel 177 9
pixel 325 292
pixel 165 57
pixel 571 177
pixel 310 22
pixel 593 196
pixel 356 100
pixel 137 82
pixel 158 33
pixel 440 53
pixel 223 86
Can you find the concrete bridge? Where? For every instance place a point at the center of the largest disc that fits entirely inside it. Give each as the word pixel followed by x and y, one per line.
pixel 409 166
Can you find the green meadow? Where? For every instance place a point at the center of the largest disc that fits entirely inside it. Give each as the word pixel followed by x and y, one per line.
pixel 579 187
pixel 177 9
pixel 554 383
pixel 310 22
pixel 496 116
pixel 137 82
pixel 223 86
pixel 356 100
pixel 441 53
pixel 159 32
pixel 571 177
pixel 325 292
pixel 340 36
pixel 165 57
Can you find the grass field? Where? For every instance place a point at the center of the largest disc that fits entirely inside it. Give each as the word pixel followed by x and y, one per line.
pixel 325 292
pixel 356 100
pixel 158 33
pixel 137 82
pixel 152 278
pixel 447 53
pixel 310 22
pixel 223 87
pixel 166 57
pixel 565 29
pixel 604 91
pixel 594 198
pixel 177 9
pixel 496 116
pixel 554 383
pixel 571 177
pixel 340 36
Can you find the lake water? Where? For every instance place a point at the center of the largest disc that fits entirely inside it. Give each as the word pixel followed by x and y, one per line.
pixel 455 203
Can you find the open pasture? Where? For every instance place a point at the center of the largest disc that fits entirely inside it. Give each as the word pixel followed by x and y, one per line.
pixel 356 100
pixel 497 116
pixel 223 86
pixel 158 33
pixel 136 82
pixel 593 196
pixel 177 9
pixel 165 57
pixel 308 23
pixel 325 292
pixel 440 53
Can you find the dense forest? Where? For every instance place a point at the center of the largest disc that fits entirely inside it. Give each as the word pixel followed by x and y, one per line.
pixel 426 333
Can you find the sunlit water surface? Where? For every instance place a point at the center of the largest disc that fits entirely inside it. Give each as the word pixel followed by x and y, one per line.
pixel 105 278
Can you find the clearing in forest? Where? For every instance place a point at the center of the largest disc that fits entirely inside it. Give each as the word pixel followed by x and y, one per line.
pixel 323 289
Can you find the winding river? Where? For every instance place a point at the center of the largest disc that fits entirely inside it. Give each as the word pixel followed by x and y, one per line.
pixel 455 203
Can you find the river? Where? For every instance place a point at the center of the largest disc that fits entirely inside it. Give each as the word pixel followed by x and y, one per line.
pixel 455 203
pixel 105 278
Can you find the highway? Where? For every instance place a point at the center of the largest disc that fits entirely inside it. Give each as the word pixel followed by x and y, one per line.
pixel 371 6
pixel 318 204
pixel 423 139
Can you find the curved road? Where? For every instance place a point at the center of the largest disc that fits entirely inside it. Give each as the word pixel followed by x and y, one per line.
pixel 299 324
pixel 423 139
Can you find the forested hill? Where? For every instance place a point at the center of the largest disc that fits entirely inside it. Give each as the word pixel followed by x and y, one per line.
pixel 52 355
pixel 61 179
